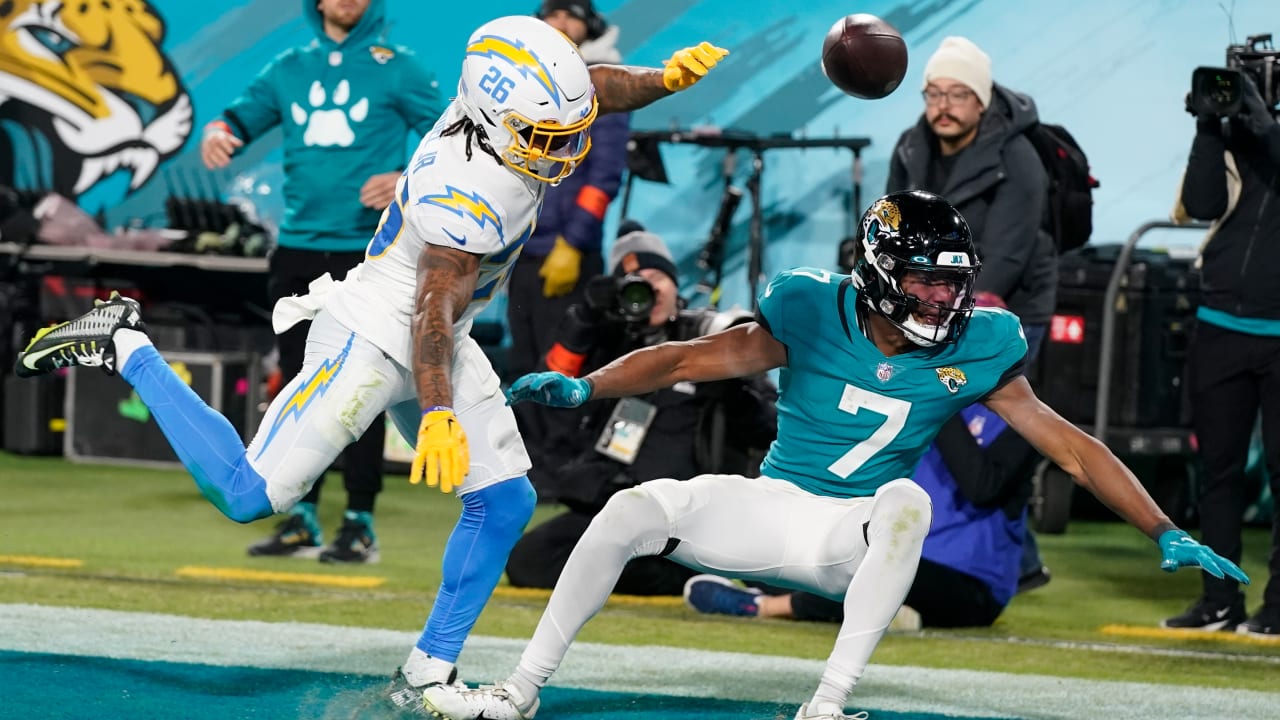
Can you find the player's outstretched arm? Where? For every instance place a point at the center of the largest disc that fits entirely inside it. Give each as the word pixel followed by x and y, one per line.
pixel 1099 471
pixel 446 281
pixel 623 88
pixel 742 350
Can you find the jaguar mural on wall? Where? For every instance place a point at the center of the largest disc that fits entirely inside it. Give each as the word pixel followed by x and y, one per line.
pixel 86 91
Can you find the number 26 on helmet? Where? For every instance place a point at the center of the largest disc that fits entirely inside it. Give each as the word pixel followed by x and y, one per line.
pixel 525 85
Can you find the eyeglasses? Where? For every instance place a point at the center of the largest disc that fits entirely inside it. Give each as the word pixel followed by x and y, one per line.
pixel 954 96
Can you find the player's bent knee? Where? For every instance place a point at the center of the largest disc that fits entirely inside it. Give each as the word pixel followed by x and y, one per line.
pixel 630 516
pixel 508 504
pixel 903 507
pixel 240 493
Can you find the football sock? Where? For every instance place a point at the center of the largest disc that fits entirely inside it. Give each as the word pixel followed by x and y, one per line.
pixel 525 693
pixel 205 441
pixel 475 556
pixel 126 341
pixel 526 689
pixel 421 669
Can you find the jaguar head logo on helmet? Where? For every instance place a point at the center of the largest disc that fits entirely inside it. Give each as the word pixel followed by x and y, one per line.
pixel 918 266
pixel 529 94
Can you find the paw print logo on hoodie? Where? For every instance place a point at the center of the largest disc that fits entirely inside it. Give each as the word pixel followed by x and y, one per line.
pixel 326 128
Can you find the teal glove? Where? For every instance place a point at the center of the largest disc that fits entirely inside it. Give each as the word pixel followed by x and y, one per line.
pixel 549 388
pixel 1178 549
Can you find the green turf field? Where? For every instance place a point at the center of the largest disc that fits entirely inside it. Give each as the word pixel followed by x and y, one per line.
pixel 78 536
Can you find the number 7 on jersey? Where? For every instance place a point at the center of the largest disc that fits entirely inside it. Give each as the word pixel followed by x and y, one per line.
pixel 895 412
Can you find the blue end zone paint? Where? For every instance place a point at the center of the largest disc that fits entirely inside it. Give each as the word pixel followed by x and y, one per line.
pixel 63 686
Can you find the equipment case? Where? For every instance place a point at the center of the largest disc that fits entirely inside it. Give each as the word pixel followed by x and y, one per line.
pixel 1154 318
pixel 106 422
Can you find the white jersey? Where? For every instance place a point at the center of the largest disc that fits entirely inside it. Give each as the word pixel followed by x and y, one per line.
pixel 478 206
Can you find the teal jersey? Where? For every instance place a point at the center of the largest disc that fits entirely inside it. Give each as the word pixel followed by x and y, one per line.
pixel 851 419
pixel 346 112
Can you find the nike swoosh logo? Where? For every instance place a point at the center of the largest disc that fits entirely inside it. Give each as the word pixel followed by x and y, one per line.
pixel 1221 613
pixel 460 240
pixel 30 359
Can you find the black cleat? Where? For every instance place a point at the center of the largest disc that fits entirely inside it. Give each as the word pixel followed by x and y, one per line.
pixel 1037 578
pixel 1265 624
pixel 83 341
pixel 296 536
pixel 356 542
pixel 1209 615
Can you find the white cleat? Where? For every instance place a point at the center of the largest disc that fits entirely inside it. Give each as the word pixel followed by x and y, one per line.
pixel 828 713
pixel 405 698
pixel 487 702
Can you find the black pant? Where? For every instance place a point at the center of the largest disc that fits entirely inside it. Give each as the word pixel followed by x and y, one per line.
pixel 290 270
pixel 1233 376
pixel 943 597
pixel 533 318
pixel 550 433
pixel 539 557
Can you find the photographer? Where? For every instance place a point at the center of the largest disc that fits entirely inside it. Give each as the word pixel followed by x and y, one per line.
pixel 678 432
pixel 1233 178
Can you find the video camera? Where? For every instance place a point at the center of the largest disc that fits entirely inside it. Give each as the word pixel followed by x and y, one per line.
pixel 627 298
pixel 1219 91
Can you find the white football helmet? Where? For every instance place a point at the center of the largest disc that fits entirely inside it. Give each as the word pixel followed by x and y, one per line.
pixel 525 84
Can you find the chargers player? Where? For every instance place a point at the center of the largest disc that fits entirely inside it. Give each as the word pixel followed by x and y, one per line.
pixel 872 365
pixel 393 335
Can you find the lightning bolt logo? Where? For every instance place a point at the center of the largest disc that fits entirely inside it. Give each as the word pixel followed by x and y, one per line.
pixel 315 386
pixel 520 58
pixel 466 205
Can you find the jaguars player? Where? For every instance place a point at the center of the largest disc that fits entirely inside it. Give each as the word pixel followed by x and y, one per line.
pixel 872 365
pixel 393 335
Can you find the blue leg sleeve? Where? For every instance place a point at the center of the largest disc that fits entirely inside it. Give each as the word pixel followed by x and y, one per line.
pixel 492 521
pixel 204 440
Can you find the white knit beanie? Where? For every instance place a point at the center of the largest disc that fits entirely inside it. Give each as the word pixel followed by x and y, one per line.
pixel 960 60
pixel 641 249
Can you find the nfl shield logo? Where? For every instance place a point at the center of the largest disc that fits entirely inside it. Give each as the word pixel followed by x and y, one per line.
pixel 884 371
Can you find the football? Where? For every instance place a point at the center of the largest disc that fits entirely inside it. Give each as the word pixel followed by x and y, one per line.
pixel 864 56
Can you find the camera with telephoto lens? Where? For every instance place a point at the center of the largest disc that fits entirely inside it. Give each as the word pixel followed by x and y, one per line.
pixel 1220 91
pixel 629 298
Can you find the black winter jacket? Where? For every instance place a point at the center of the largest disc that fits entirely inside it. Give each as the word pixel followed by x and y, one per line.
pixel 1238 266
pixel 1001 188
pixel 718 427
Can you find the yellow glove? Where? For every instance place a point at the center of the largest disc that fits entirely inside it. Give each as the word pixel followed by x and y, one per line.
pixel 559 271
pixel 441 456
pixel 687 66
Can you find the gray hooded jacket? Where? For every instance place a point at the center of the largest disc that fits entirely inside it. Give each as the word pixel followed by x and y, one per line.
pixel 1000 186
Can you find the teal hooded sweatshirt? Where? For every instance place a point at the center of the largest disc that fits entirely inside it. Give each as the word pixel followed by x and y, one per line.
pixel 345 110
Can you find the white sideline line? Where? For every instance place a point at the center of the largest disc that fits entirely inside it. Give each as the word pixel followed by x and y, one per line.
pixel 1114 648
pixel 670 671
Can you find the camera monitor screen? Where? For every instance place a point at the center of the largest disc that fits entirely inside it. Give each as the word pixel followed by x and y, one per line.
pixel 1215 91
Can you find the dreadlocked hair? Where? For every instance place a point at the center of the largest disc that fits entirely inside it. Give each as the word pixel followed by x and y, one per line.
pixel 472 131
